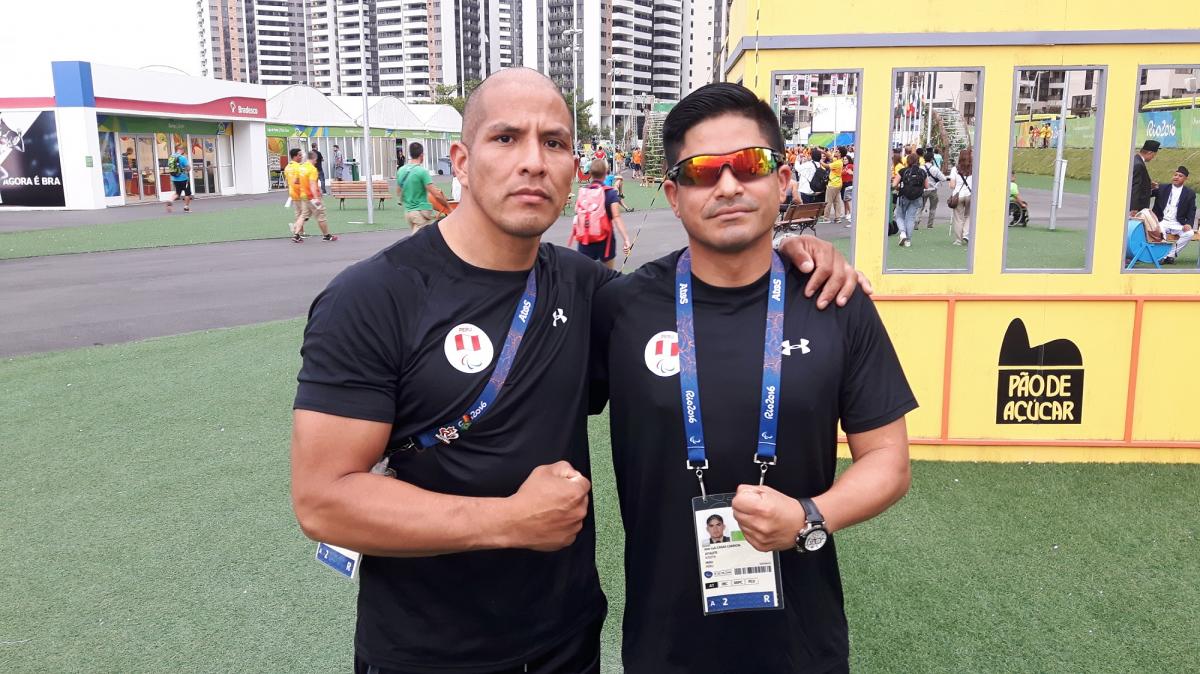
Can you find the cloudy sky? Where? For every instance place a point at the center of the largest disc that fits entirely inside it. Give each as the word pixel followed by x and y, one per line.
pixel 130 33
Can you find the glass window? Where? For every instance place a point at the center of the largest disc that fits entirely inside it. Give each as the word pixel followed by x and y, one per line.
pixel 931 170
pixel 1162 189
pixel 1051 188
pixel 818 114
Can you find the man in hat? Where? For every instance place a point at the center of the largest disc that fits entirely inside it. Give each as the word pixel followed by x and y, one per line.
pixel 1175 206
pixel 1143 187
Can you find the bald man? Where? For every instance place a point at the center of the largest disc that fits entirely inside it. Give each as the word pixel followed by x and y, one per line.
pixel 459 356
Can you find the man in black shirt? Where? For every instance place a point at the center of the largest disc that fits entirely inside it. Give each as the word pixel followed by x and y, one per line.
pixel 478 538
pixel 692 323
pixel 319 162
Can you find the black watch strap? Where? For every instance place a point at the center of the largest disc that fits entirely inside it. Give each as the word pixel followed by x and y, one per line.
pixel 811 513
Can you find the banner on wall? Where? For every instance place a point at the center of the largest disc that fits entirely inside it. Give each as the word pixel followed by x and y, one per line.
pixel 30 170
pixel 301 131
pixel 1160 125
pixel 195 127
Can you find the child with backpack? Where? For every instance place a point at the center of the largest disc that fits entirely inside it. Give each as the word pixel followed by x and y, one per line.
pixel 596 215
pixel 177 168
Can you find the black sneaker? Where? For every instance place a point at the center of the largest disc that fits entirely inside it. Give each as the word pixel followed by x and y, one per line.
pixel 1167 260
pixel 296 238
pixel 329 237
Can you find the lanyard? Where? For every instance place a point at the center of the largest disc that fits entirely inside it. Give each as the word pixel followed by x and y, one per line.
pixel 449 431
pixel 689 383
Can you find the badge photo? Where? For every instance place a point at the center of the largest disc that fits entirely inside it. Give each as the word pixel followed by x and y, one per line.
pixel 662 353
pixel 468 348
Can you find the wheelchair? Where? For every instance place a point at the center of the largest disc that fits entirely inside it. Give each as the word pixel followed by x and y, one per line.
pixel 1018 215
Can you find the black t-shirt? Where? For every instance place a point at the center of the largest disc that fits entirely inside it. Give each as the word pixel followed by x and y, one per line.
pixel 320 161
pixel 841 367
pixel 381 344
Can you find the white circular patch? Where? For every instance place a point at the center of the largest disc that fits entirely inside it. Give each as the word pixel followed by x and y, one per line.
pixel 662 353
pixel 468 348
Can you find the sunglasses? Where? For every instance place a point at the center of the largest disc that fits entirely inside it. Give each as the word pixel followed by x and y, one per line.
pixel 703 170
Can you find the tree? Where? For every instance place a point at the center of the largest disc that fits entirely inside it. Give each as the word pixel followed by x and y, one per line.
pixel 448 94
pixel 583 110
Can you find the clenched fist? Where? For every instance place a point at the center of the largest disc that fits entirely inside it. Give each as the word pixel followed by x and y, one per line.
pixel 769 519
pixel 547 511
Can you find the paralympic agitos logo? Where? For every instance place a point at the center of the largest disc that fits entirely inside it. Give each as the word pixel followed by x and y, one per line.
pixel 1040 384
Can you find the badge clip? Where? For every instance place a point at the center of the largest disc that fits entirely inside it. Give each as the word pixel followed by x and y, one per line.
pixel 699 475
pixel 762 468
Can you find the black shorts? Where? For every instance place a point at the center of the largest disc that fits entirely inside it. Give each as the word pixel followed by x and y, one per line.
pixel 579 654
pixel 597 250
pixel 183 188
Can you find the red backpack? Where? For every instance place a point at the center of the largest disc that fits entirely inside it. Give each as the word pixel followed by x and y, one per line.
pixel 592 223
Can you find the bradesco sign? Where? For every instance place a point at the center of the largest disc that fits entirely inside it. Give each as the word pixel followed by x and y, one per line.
pixel 230 107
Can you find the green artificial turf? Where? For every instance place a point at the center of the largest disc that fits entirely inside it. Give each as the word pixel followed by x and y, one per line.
pixel 148 529
pixel 234 224
pixel 1046 182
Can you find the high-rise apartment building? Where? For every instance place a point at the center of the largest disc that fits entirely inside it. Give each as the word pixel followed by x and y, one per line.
pixel 257 41
pixel 627 53
pixel 411 45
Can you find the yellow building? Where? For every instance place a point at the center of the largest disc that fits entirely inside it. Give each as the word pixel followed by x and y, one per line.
pixel 1119 377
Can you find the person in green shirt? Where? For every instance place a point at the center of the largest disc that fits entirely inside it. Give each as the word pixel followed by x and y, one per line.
pixel 414 188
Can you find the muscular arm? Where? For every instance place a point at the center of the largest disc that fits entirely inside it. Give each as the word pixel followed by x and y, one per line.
pixel 338 500
pixel 878 478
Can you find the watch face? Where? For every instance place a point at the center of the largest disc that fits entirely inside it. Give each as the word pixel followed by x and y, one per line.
pixel 815 540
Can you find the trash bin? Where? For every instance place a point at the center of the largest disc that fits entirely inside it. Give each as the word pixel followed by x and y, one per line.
pixel 353 168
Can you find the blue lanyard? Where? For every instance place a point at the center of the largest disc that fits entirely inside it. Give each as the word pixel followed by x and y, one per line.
pixel 449 431
pixel 689 383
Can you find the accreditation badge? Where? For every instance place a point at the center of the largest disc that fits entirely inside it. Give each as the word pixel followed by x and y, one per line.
pixel 733 575
pixel 342 560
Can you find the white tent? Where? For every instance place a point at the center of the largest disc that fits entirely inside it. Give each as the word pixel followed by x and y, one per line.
pixel 437 117
pixel 386 112
pixel 305 106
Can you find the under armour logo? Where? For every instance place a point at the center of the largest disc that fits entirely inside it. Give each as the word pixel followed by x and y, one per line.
pixel 558 316
pixel 446 433
pixel 788 347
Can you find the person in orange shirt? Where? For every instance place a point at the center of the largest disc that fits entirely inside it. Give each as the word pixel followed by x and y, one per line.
pixel 316 206
pixel 305 193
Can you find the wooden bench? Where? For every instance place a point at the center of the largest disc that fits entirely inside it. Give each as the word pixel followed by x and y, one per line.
pixel 357 189
pixel 799 217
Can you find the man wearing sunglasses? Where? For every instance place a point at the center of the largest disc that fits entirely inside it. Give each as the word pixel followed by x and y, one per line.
pixel 727 386
pixel 460 355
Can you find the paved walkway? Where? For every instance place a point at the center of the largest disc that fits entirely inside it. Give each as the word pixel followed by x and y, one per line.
pixel 69 301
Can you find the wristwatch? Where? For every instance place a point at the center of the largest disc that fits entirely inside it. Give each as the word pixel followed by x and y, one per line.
pixel 813 536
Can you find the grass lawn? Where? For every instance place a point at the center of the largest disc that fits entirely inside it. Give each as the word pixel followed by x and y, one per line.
pixel 148 529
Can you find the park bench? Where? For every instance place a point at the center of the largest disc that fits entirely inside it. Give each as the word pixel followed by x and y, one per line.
pixel 799 217
pixel 357 189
